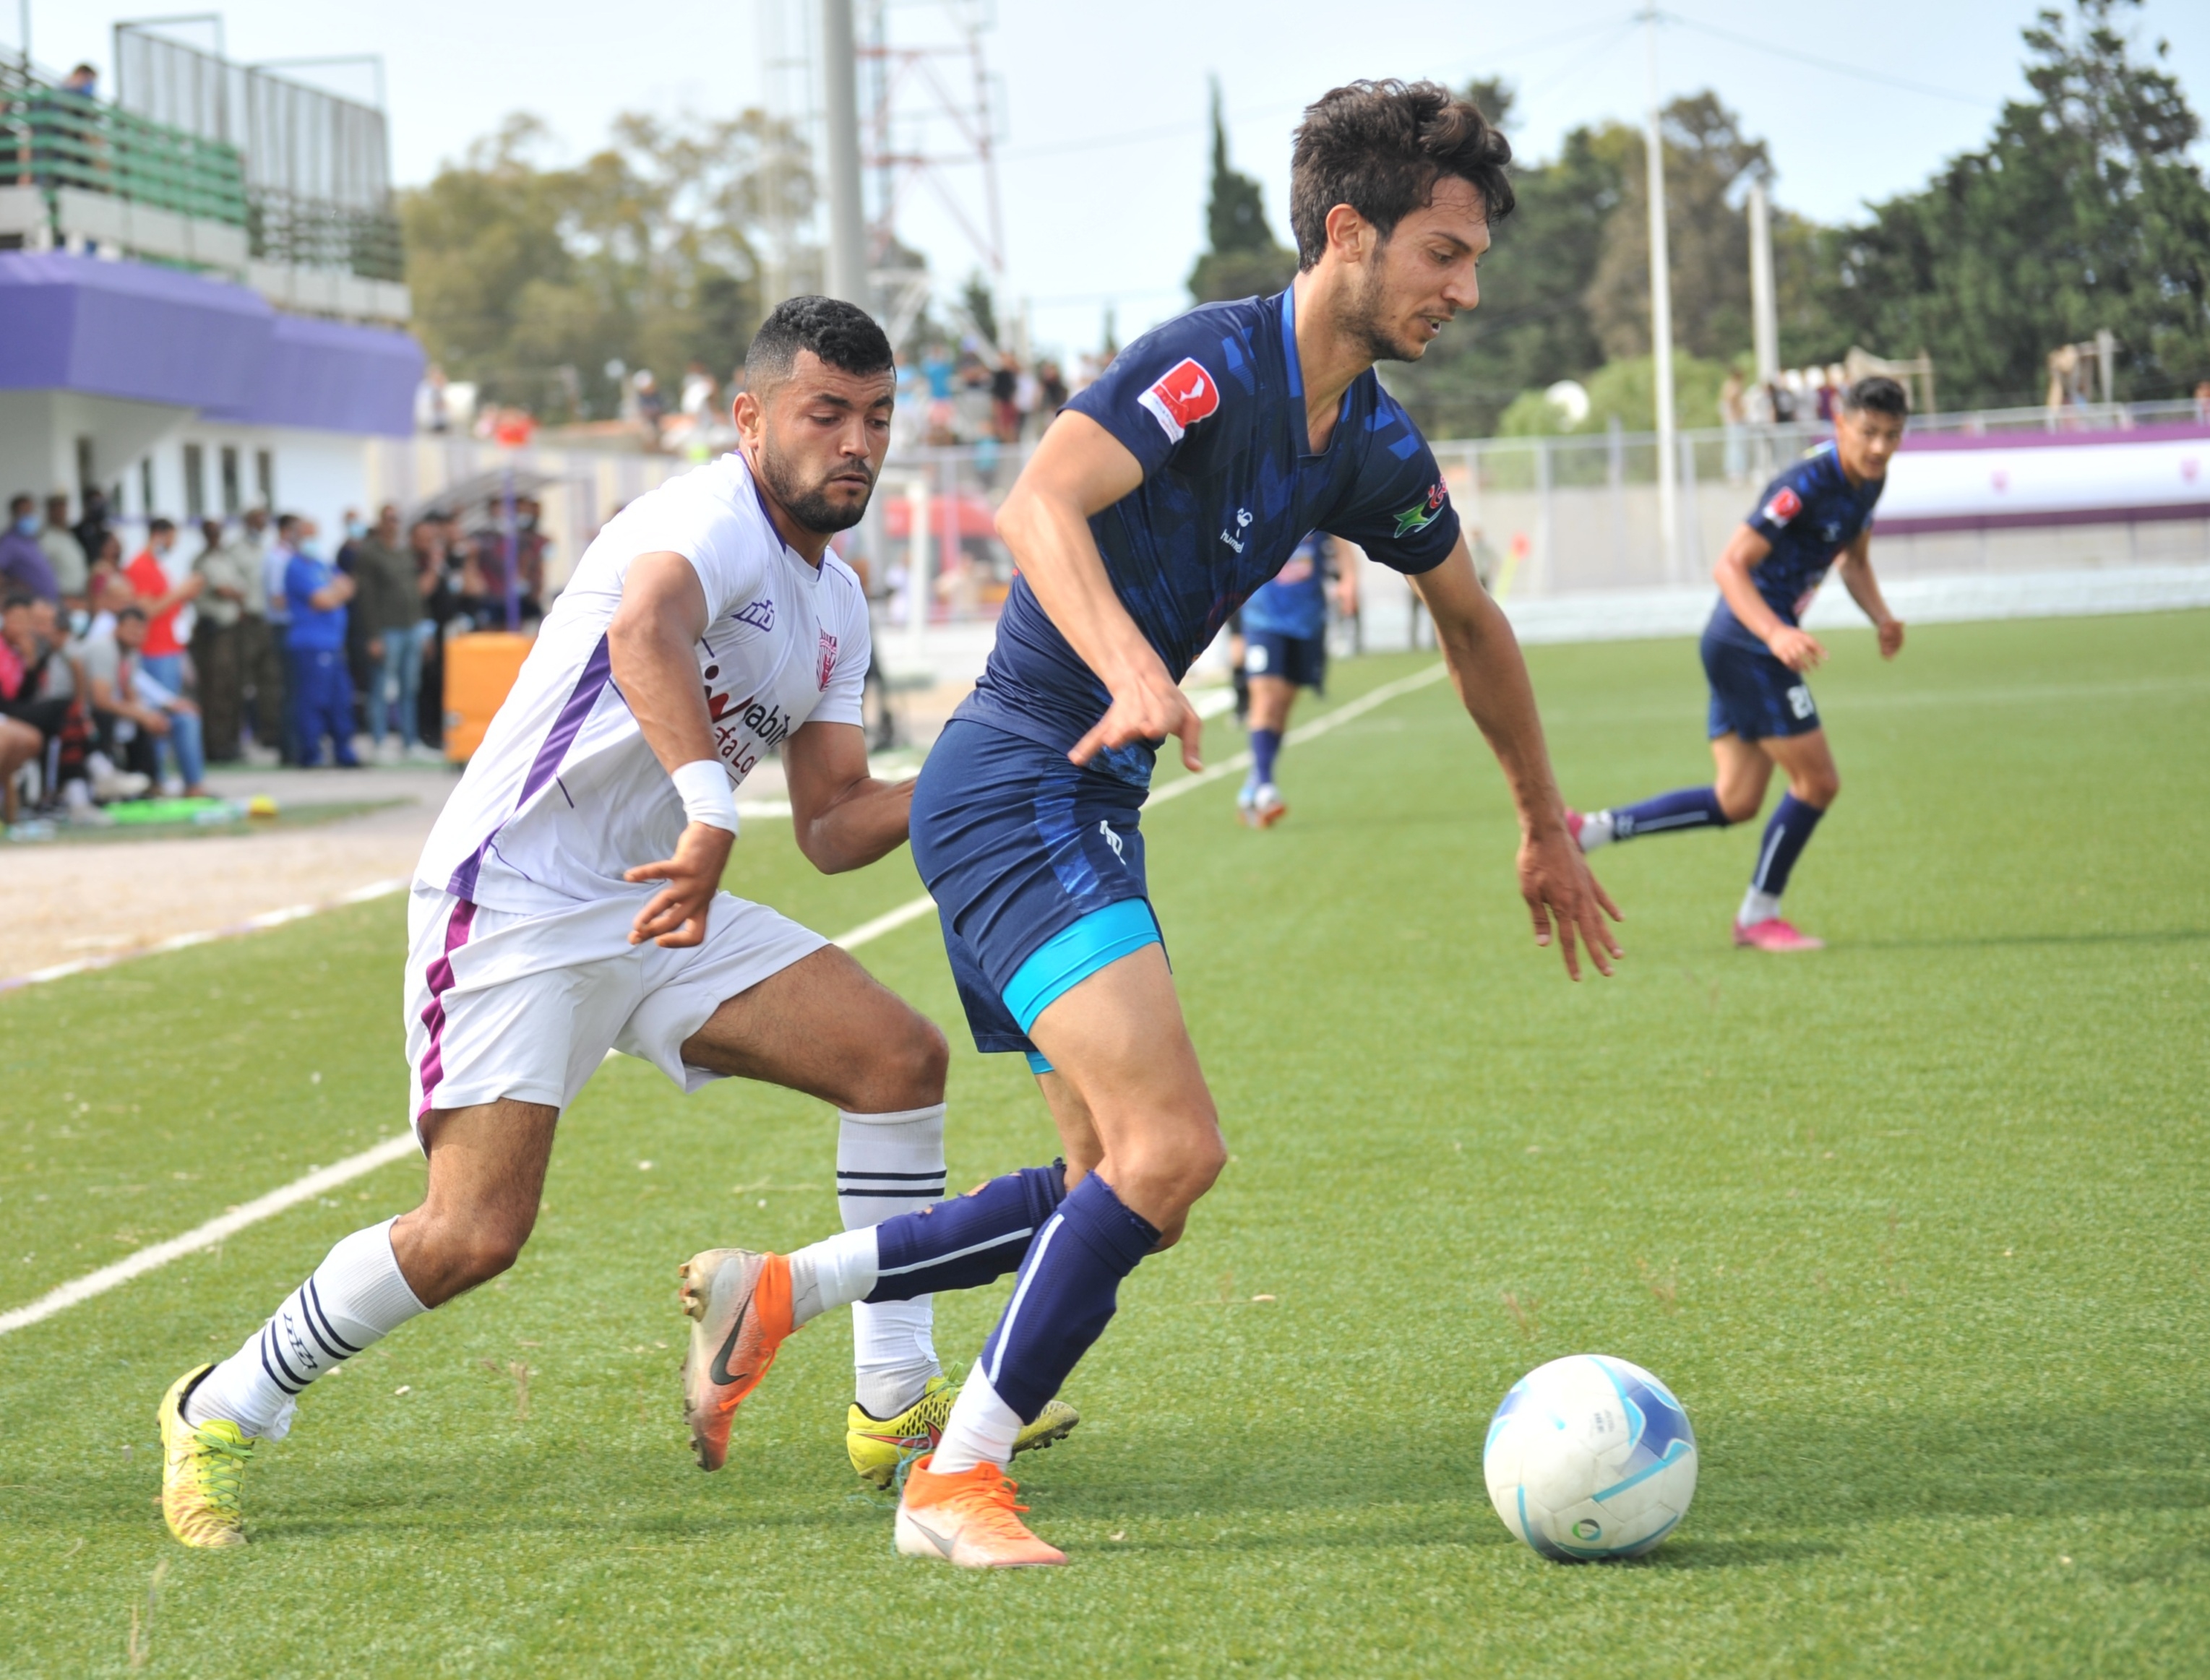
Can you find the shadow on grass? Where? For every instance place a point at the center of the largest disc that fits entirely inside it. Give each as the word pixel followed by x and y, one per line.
pixel 1185 1489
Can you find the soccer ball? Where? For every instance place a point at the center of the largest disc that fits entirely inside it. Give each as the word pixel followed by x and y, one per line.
pixel 1589 1457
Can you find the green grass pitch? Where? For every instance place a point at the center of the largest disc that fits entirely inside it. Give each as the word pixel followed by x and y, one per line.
pixel 1914 1226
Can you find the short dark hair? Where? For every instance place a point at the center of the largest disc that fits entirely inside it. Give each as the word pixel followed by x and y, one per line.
pixel 16 599
pixel 137 612
pixel 1880 394
pixel 158 524
pixel 287 522
pixel 842 334
pixel 22 502
pixel 1380 146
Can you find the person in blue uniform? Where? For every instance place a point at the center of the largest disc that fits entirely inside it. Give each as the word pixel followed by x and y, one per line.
pixel 1160 499
pixel 321 687
pixel 1757 653
pixel 1284 650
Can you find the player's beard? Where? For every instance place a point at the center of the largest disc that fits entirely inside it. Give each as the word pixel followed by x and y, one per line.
pixel 810 504
pixel 1362 317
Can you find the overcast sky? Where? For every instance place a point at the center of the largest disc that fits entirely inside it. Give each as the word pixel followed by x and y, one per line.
pixel 1103 163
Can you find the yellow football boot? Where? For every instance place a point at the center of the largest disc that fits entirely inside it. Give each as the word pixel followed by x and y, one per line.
pixel 200 1470
pixel 878 1446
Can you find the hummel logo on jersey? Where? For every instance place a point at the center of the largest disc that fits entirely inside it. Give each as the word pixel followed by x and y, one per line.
pixel 1784 506
pixel 1184 394
pixel 1243 523
pixel 1420 515
pixel 759 614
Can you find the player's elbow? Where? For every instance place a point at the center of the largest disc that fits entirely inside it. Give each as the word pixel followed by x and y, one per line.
pixel 1016 515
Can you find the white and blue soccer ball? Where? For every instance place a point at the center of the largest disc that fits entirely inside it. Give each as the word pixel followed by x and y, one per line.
pixel 1590 1456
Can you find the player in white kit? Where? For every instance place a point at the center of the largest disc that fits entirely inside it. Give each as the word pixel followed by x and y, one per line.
pixel 567 902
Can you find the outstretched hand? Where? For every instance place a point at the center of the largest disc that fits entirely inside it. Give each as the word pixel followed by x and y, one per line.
pixel 1149 706
pixel 1561 891
pixel 676 916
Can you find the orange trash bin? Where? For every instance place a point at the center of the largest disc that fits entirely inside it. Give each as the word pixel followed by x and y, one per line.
pixel 479 669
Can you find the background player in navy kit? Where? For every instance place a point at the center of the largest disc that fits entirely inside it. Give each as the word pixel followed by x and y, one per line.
pixel 1756 651
pixel 1284 650
pixel 1159 500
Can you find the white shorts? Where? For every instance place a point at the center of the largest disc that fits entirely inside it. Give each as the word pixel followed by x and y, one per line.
pixel 506 1004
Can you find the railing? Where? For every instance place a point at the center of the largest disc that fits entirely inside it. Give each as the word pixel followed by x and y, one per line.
pixel 51 138
pixel 56 141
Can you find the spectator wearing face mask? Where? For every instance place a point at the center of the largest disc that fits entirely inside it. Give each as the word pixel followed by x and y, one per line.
pixel 225 573
pixel 315 593
pixel 164 596
pixel 389 611
pixel 23 564
pixel 135 710
pixel 64 553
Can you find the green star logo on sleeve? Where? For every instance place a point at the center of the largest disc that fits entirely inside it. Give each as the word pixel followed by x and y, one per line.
pixel 1422 513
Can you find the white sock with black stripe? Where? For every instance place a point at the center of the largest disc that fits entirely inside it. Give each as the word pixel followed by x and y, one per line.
pixel 357 1296
pixel 889 1164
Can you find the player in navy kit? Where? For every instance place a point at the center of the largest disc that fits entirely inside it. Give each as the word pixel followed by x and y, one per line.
pixel 1284 650
pixel 1756 653
pixel 1159 500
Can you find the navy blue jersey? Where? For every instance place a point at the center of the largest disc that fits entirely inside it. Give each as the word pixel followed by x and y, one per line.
pixel 1212 405
pixel 1295 602
pixel 1810 514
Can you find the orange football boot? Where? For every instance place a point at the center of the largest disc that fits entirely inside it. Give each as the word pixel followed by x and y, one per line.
pixel 968 1518
pixel 740 1305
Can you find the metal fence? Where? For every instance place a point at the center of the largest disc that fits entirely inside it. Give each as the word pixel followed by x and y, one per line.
pixel 53 140
pixel 317 170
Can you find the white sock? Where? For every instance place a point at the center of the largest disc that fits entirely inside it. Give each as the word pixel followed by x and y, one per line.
pixel 835 1272
pixel 889 1164
pixel 357 1296
pixel 1757 907
pixel 979 1431
pixel 1598 829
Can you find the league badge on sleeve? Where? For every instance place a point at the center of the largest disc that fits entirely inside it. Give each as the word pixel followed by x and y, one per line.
pixel 1183 396
pixel 1784 506
pixel 1422 513
pixel 828 652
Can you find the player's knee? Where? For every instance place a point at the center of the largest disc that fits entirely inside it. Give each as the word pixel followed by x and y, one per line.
pixel 1182 1167
pixel 1820 788
pixel 457 1252
pixel 913 1069
pixel 1738 804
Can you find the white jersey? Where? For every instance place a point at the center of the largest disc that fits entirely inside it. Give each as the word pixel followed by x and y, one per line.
pixel 564 795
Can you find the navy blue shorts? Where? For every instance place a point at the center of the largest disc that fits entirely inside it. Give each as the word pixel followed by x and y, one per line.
pixel 1754 694
pixel 1036 865
pixel 1301 659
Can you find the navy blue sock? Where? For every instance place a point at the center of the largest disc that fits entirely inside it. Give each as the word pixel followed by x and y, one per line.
pixel 1785 836
pixel 1264 743
pixel 1686 808
pixel 967 1241
pixel 1066 1295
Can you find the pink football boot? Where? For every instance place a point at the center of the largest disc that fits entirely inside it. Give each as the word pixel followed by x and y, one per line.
pixel 1774 935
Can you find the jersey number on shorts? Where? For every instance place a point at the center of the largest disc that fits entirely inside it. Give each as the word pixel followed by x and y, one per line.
pixel 1799 701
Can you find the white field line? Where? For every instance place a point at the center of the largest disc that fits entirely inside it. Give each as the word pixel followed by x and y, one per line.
pixel 207 1235
pixel 267 919
pixel 395 1149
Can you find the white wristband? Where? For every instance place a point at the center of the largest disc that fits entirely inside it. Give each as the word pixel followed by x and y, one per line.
pixel 707 796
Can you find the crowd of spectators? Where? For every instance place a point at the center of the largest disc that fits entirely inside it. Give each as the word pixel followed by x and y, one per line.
pixel 123 678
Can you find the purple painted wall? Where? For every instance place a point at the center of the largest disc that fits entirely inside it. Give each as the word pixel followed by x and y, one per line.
pixel 128 329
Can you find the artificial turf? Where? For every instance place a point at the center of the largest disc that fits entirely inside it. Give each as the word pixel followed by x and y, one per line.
pixel 1912 1226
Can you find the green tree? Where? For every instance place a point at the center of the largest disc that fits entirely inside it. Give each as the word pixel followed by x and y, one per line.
pixel 531 280
pixel 1533 326
pixel 1243 259
pixel 2084 211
